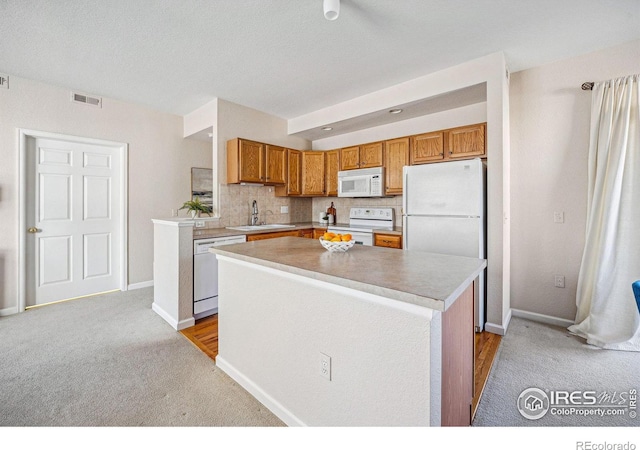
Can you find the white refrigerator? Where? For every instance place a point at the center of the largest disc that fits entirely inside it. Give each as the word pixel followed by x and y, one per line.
pixel 444 212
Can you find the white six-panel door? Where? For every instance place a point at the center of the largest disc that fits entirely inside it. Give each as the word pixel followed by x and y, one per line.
pixel 73 215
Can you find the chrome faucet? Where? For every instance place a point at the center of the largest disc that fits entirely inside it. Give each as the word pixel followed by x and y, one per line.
pixel 254 214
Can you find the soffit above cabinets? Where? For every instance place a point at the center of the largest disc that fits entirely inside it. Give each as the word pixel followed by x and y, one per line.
pixel 442 102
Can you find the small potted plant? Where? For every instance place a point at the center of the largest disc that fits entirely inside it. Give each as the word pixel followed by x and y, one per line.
pixel 195 207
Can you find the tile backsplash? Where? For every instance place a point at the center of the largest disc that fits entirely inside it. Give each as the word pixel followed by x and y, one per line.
pixel 236 201
pixel 343 206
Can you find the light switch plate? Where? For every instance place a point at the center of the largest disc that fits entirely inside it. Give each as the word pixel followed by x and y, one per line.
pixel 284 210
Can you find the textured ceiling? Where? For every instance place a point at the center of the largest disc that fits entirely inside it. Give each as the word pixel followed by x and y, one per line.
pixel 282 56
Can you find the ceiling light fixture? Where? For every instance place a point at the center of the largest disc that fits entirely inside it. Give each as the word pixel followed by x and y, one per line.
pixel 331 9
pixel 327 128
pixel 395 111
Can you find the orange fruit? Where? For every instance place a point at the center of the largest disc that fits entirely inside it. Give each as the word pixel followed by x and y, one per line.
pixel 336 239
pixel 327 236
pixel 346 237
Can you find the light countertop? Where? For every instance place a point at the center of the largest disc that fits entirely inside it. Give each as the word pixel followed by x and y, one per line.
pixel 425 279
pixel 206 233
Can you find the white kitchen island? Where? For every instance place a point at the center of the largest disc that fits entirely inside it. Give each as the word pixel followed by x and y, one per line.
pixel 396 325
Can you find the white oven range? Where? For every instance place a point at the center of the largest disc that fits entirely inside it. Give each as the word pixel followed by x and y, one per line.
pixel 363 222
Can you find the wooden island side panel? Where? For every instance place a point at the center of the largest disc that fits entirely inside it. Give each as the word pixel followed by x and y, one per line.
pixel 457 361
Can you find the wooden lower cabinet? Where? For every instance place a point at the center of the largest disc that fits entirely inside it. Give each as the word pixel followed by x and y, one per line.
pixel 318 232
pixel 387 240
pixel 305 233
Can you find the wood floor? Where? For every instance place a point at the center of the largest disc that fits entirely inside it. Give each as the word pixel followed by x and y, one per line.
pixel 485 352
pixel 204 335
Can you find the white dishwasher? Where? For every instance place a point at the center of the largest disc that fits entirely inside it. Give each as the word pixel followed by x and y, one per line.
pixel 205 274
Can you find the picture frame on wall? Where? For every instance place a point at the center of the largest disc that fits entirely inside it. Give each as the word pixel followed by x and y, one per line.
pixel 202 185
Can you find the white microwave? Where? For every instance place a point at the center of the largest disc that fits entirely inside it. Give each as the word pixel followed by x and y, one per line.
pixel 361 182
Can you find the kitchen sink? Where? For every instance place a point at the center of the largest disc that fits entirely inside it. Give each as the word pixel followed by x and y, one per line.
pixel 271 226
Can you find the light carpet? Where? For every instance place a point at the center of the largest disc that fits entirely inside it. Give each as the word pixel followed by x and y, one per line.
pixel 550 358
pixel 109 360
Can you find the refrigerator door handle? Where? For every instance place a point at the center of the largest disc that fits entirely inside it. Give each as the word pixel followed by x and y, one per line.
pixel 405 191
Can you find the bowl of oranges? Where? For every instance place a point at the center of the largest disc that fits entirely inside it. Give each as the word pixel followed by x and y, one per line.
pixel 336 242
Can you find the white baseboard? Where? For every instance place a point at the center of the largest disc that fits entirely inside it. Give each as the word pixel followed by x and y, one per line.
pixel 181 325
pixel 141 285
pixel 536 317
pixel 9 311
pixel 272 404
pixel 186 323
pixel 500 329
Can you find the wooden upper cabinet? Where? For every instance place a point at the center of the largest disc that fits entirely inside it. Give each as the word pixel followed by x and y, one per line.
pixel 293 185
pixel 245 161
pixel 465 142
pixel 313 174
pixel 350 158
pixel 275 164
pixel 332 163
pixel 362 156
pixel 427 147
pixel 371 155
pixel 254 162
pixel 396 156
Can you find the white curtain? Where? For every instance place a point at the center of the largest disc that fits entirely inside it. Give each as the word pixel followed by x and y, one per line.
pixel 607 314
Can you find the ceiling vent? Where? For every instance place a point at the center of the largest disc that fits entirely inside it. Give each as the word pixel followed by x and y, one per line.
pixel 86 99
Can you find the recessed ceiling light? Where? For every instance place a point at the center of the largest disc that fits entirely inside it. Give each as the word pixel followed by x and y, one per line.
pixel 395 111
pixel 327 128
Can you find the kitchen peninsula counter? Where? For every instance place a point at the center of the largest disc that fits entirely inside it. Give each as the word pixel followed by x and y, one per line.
pixel 370 337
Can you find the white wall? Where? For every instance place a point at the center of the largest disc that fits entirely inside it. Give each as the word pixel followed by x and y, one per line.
pixel 233 121
pixel 160 162
pixel 380 355
pixel 550 140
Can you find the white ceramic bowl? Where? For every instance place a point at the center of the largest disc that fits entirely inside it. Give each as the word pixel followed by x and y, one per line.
pixel 341 246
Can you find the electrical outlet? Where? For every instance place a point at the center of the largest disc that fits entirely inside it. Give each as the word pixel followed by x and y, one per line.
pixel 559 283
pixel 284 210
pixel 4 81
pixel 174 213
pixel 199 223
pixel 558 217
pixel 325 366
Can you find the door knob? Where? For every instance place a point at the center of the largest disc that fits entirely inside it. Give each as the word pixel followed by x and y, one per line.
pixel 33 230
